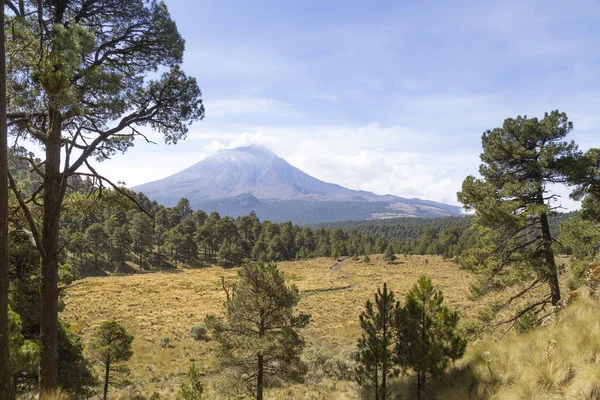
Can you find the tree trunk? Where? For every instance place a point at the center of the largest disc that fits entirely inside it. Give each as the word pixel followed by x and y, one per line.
pixel 6 376
pixel 384 364
pixel 158 255
pixel 376 381
pixel 549 254
pixel 259 378
pixel 106 378
pixel 419 388
pixel 53 193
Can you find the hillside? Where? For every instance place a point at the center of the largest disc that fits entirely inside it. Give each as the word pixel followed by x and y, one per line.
pixel 154 305
pixel 167 304
pixel 548 363
pixel 237 181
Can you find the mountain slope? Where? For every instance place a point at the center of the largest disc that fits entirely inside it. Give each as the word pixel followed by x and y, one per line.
pixel 237 181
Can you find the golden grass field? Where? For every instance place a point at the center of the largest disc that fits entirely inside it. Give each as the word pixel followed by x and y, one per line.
pixel 160 304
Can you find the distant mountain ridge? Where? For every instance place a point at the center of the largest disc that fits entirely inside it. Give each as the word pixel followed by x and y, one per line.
pixel 253 178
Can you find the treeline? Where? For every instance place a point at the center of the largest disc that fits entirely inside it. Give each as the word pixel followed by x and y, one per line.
pixel 104 231
pixel 448 236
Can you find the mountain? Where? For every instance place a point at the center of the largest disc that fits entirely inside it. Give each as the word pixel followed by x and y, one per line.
pixel 237 181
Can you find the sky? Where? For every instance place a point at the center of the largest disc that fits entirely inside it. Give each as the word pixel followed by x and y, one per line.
pixel 384 96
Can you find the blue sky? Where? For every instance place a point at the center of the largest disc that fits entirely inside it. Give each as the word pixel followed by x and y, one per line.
pixel 386 96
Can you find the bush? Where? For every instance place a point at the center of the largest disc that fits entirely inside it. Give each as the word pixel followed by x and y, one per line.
pixel 322 364
pixel 192 389
pixel 165 341
pixel 199 332
pixel 366 259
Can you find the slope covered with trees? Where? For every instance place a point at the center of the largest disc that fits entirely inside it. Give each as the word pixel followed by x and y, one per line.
pixel 448 236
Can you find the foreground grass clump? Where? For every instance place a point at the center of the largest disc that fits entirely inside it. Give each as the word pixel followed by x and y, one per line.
pixel 558 361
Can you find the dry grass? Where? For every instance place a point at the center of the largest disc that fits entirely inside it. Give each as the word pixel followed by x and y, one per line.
pixel 168 304
pixel 154 305
pixel 558 361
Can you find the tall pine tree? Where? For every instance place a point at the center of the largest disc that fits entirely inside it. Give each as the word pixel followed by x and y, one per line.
pixel 6 388
pixel 427 335
pixel 375 355
pixel 259 337
pixel 82 93
pixel 521 161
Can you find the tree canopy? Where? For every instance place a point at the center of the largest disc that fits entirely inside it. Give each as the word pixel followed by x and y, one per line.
pixel 259 338
pixel 513 201
pixel 84 80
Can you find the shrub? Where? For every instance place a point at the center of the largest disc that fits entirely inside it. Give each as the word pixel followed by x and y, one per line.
pixel 165 341
pixel 322 364
pixel 199 332
pixel 192 388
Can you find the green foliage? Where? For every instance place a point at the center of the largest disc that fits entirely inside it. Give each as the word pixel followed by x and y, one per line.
pixel 75 374
pixel 164 342
pixel 96 240
pixel 448 236
pixel 366 259
pixel 427 333
pixel 521 160
pixel 199 332
pixel 259 335
pixel 381 244
pixel 389 255
pixel 585 176
pixel 110 347
pixel 192 388
pixel 375 353
pixel 24 353
pixel 580 236
pixel 529 320
pixel 321 364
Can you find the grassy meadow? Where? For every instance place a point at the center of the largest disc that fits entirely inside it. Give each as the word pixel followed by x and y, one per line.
pixel 167 304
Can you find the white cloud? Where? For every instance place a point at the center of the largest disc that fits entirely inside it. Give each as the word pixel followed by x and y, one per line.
pixel 372 157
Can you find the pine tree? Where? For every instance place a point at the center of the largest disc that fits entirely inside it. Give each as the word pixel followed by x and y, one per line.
pixel 389 255
pixel 110 346
pixel 192 389
pixel 582 233
pixel 86 93
pixel 427 337
pixel 97 241
pixel 7 390
pixel 375 353
pixel 513 203
pixel 259 337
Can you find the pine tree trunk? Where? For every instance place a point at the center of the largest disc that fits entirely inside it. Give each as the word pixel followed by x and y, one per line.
pixel 376 381
pixel 53 193
pixel 549 255
pixel 384 364
pixel 7 391
pixel 106 378
pixel 259 379
pixel 158 255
